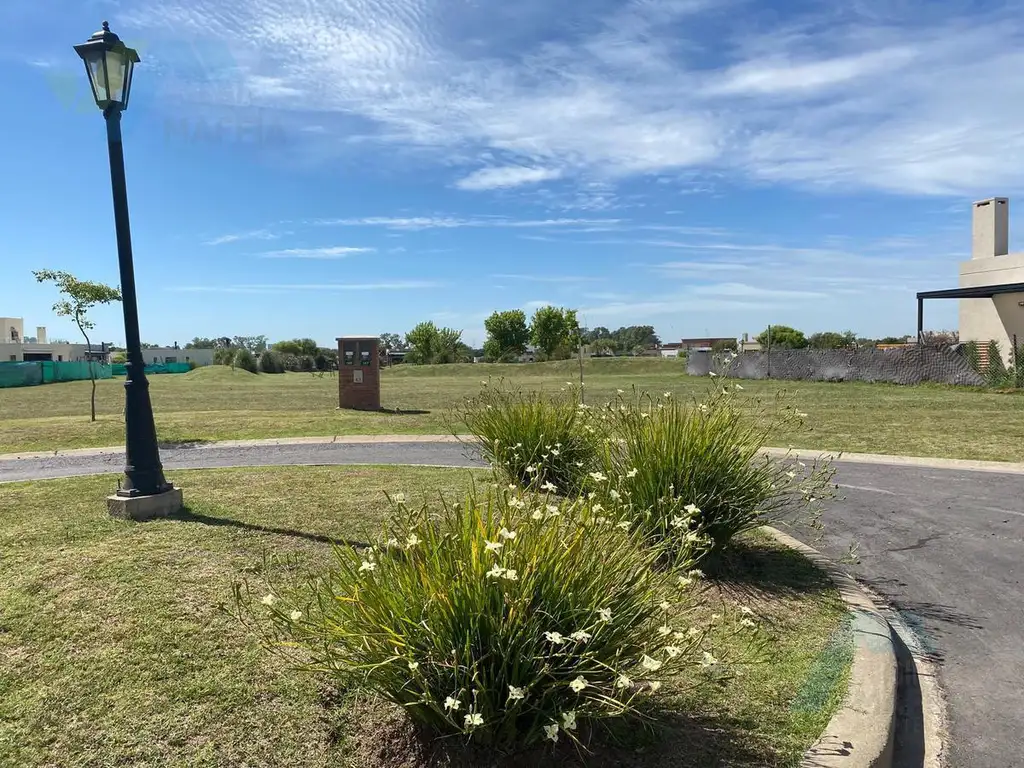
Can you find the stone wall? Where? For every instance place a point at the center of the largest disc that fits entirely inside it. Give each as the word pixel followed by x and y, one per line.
pixel 906 365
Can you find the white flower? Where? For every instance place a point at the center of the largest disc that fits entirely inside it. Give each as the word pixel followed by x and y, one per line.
pixel 748 623
pixel 552 509
pixel 715 617
pixel 655 684
pixel 516 694
pixel 746 611
pixel 801 414
pixel 739 387
pixel 668 394
pixel 495 572
pixel 398 498
pixel 713 375
pixel 510 574
pixel 580 636
pixel 578 684
pixel 614 495
pixel 506 534
pixel 623 682
pixel 708 660
pixel 693 632
pixel 367 566
pixel 579 463
pixel 412 541
pixel 791 475
pixel 650 664
pixel 516 503
pixel 621 391
pixel 685 581
pixel 492 546
pixel 599 477
pixel 537 515
pixel 549 487
pixel 678 635
pixel 295 615
pixel 696 573
pixel 555 638
pixel 392 542
pixel 474 720
pixel 632 473
pixel 531 469
pixel 268 600
pixel 605 614
pixel 569 720
pixel 551 731
pixel 665 605
pixel 413 666
pixel 664 630
pixel 555 452
pixel 673 651
pixel 452 704
pixel 624 525
pixel 679 522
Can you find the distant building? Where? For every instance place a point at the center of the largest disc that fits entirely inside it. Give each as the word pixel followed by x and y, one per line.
pixel 704 345
pixel 670 349
pixel 175 354
pixel 16 348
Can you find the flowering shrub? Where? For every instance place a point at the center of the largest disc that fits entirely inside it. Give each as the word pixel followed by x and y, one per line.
pixel 511 619
pixel 532 439
pixel 698 471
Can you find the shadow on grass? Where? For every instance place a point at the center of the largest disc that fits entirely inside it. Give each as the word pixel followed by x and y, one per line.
pixel 186 515
pixel 765 567
pixel 403 412
pixel 376 734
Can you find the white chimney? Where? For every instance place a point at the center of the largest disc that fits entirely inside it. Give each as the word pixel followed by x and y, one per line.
pixel 40 334
pixel 990 228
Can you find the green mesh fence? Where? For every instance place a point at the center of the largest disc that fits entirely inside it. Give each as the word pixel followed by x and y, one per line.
pixel 47 372
pixel 119 369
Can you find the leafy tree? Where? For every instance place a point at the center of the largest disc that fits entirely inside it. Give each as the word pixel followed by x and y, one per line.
pixel 296 347
pixel 393 342
pixel 725 345
pixel 602 346
pixel 255 344
pixel 894 340
pixel 271 362
pixel 507 334
pixel 782 337
pixel 430 344
pixel 79 297
pixel 119 358
pixel 245 360
pixel 147 345
pixel 553 327
pixel 829 340
pixel 200 342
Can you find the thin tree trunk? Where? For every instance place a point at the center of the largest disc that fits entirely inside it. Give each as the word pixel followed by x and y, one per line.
pixel 92 373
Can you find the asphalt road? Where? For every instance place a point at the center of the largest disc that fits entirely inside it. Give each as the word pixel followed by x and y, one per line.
pixel 944 547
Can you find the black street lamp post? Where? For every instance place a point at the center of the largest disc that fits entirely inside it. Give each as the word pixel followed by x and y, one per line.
pixel 109 64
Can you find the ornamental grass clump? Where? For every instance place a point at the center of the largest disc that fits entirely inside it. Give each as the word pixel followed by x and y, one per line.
pixel 512 620
pixel 532 439
pixel 698 470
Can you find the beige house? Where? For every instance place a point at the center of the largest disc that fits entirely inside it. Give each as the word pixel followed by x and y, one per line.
pixel 15 349
pixel 991 292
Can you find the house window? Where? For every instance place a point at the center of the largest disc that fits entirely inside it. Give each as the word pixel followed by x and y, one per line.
pixel 170 359
pixel 60 358
pixel 14 334
pixel 14 358
pixel 156 360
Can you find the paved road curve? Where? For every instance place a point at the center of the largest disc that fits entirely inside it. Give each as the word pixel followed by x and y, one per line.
pixel 945 547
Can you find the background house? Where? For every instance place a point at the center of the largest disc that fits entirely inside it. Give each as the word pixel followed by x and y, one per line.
pixel 15 347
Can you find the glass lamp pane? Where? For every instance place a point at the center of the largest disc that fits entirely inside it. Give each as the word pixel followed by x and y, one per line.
pixel 97 75
pixel 117 63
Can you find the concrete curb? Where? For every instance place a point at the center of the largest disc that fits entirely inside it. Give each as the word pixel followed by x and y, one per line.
pixel 1003 467
pixel 862 733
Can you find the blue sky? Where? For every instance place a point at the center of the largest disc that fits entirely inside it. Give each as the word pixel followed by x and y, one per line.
pixel 329 167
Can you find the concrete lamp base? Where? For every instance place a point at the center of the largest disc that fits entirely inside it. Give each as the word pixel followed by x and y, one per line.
pixel 145 507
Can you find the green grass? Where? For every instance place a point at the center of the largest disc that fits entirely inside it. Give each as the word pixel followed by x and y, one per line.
pixel 115 650
pixel 219 404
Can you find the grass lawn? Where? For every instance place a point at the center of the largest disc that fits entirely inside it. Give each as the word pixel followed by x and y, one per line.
pixel 115 650
pixel 217 403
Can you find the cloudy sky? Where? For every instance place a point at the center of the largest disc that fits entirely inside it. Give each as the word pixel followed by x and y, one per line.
pixel 326 167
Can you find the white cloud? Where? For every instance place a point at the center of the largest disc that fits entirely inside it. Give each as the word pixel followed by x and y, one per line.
pixel 540 278
pixel 257 234
pixel 509 176
pixel 333 252
pixel 910 98
pixel 455 222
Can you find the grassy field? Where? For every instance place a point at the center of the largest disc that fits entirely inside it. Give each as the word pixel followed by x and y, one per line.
pixel 217 404
pixel 115 648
